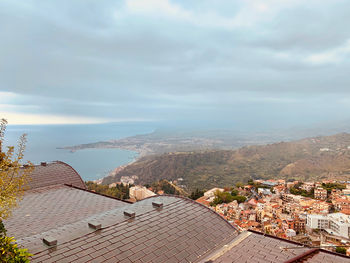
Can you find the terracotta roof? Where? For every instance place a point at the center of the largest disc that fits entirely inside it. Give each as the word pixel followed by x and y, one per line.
pixel 54 173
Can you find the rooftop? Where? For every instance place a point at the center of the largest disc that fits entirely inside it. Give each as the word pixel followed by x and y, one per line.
pixel 50 207
pixel 252 246
pixel 54 173
pixel 180 231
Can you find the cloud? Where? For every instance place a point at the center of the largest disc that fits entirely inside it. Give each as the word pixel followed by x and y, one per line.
pixel 162 59
pixel 24 118
pixel 335 55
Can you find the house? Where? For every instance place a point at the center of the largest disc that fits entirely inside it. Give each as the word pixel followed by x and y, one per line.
pixel 320 193
pixel 307 186
pixel 140 192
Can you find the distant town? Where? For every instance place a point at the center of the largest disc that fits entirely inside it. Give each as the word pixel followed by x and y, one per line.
pixel 312 213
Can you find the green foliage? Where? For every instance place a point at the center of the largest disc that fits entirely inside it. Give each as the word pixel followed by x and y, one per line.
pixel 234 192
pixel 2 229
pixel 297 191
pixel 330 186
pixel 341 250
pixel 196 194
pixel 239 184
pixel 226 197
pixel 120 191
pixel 9 251
pixel 167 187
pixel 240 198
pixel 13 178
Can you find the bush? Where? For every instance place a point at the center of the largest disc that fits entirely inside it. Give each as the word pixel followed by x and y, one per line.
pixel 226 197
pixel 196 194
pixel 9 251
pixel 341 250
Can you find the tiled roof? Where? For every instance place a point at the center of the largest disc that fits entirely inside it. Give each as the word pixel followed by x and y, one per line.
pixel 251 246
pixel 181 231
pixel 50 207
pixel 54 173
pixel 324 257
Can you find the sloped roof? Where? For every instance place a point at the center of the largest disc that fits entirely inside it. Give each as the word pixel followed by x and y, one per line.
pixel 181 231
pixel 47 208
pixel 252 246
pixel 54 173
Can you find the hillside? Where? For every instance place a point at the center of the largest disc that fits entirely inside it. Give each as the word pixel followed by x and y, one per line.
pixel 317 158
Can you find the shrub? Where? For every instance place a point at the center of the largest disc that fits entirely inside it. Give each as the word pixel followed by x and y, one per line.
pixel 341 250
pixel 9 251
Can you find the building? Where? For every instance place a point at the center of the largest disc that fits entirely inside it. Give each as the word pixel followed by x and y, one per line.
pixel 290 233
pixel 140 192
pixel 307 186
pixel 59 221
pixel 210 193
pixel 317 222
pixel 320 193
pixel 339 225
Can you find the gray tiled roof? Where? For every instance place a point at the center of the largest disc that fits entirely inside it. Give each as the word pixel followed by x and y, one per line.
pixel 181 231
pixel 54 173
pixel 324 257
pixel 260 248
pixel 254 247
pixel 50 207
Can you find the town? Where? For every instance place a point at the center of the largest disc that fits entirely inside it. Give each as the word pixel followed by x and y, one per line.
pixel 312 213
pixel 316 214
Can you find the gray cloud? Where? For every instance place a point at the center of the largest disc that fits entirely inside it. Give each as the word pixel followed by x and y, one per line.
pixel 173 59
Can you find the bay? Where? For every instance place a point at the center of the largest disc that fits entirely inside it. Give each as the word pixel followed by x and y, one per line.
pixel 91 164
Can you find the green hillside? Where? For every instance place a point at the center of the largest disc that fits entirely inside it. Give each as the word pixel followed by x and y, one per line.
pixel 319 157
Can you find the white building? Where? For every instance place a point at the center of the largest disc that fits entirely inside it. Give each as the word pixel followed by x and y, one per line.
pixel 290 233
pixel 337 224
pixel 317 222
pixel 140 192
pixel 211 192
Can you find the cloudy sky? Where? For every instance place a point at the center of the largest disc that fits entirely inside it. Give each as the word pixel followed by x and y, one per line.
pixel 268 62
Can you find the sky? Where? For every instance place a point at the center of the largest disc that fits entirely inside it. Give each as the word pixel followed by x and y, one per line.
pixel 245 62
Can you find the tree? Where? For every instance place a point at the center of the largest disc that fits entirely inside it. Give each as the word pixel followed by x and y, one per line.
pixel 341 250
pixel 13 177
pixel 234 192
pixel 13 180
pixel 239 184
pixel 196 194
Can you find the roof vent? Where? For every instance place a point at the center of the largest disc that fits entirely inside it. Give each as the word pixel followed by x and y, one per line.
pixel 50 241
pixel 157 204
pixel 129 213
pixel 95 225
pixel 43 163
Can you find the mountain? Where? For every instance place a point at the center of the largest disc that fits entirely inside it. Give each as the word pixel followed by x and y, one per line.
pixel 311 158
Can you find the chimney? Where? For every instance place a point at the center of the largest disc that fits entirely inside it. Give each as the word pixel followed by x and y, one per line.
pixel 129 213
pixel 94 225
pixel 157 204
pixel 50 241
pixel 43 164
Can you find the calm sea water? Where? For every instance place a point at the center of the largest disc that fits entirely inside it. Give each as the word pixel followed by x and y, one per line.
pixel 91 164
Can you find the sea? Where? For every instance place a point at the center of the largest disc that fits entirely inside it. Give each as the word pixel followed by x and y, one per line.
pixel 43 142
